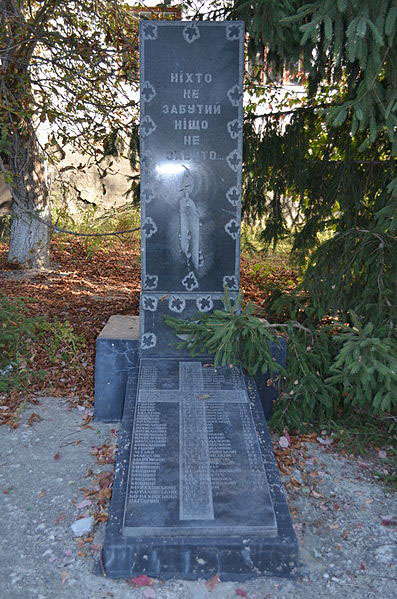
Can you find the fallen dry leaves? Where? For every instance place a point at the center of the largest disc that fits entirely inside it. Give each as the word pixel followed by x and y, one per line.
pixel 97 495
pixel 141 581
pixel 34 418
pixel 104 454
pixel 83 290
pixel 212 582
pixel 258 279
pixel 290 452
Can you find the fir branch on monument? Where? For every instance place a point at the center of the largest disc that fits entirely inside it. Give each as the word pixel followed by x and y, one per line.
pixel 233 336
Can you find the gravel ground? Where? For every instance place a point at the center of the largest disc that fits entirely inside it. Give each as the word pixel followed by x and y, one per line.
pixel 341 512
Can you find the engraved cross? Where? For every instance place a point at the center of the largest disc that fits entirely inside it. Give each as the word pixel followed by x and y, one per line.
pixel 195 488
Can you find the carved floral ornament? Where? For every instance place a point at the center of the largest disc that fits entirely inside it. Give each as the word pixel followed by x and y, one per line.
pixel 191 33
pixel 147 126
pixel 150 31
pixel 233 228
pixel 234 31
pixel 150 281
pixel 233 195
pixel 148 340
pixel 234 160
pixel 150 302
pixel 235 94
pixel 204 303
pixel 176 303
pixel 230 282
pixel 234 128
pixel 190 282
pixel 149 227
pixel 148 91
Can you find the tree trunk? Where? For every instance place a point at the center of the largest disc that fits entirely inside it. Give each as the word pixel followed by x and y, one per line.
pixel 30 234
pixel 21 159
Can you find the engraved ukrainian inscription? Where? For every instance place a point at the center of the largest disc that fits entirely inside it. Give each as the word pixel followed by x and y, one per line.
pixel 150 436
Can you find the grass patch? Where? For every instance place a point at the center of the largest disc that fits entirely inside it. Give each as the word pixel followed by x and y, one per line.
pixel 21 333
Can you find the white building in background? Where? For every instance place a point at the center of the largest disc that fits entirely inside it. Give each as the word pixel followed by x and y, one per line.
pixel 87 187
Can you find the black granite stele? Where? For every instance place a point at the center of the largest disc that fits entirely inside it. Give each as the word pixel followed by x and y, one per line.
pixel 191 155
pixel 196 489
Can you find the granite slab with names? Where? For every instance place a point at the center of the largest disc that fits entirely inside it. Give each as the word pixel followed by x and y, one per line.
pixel 196 489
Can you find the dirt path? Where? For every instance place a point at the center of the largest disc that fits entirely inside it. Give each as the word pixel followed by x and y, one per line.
pixel 337 506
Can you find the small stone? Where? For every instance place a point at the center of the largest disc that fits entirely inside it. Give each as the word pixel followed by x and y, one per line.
pixel 386 554
pixel 316 553
pixel 325 575
pixel 83 526
pixel 296 475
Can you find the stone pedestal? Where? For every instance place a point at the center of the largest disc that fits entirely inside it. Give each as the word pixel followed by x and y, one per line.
pixel 117 354
pixel 117 357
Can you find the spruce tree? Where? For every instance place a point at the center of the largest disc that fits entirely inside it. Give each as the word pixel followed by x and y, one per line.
pixel 332 157
pixel 322 171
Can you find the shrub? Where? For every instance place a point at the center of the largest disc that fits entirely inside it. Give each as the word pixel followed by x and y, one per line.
pixel 331 368
pixel 18 331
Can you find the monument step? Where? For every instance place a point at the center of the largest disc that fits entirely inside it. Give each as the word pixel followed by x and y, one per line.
pixel 196 490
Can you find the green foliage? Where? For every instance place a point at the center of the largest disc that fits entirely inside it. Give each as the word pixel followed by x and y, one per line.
pixel 18 333
pixel 61 340
pixel 358 433
pixel 233 335
pixel 325 160
pixel 362 279
pixel 332 368
pixel 347 41
pixel 306 394
pixel 341 370
pixel 80 59
pixel 72 66
pixel 15 330
pixel 366 367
